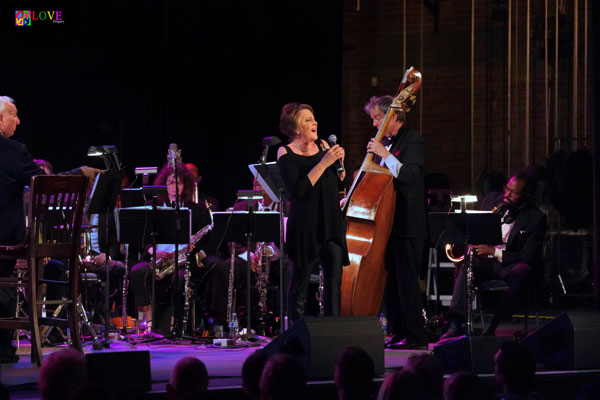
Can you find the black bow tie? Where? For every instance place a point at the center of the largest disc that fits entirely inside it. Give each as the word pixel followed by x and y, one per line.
pixel 510 216
pixel 386 141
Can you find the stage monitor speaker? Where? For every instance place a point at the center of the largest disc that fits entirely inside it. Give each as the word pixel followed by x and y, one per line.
pixel 317 342
pixel 569 341
pixel 469 353
pixel 123 372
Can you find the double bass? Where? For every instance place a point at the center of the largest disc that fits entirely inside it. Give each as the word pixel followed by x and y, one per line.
pixel 370 214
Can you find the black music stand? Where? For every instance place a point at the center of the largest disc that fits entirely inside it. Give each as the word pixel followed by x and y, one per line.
pixel 153 225
pixel 267 174
pixel 250 227
pixel 468 228
pixel 131 197
pixel 102 202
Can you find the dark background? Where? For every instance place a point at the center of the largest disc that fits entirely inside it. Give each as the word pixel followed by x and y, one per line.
pixel 209 76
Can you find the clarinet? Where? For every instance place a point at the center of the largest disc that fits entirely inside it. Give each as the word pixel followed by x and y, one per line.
pixel 321 292
pixel 124 293
pixel 264 253
pixel 230 305
pixel 470 293
pixel 186 291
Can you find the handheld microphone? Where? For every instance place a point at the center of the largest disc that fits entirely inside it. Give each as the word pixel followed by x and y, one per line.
pixel 332 139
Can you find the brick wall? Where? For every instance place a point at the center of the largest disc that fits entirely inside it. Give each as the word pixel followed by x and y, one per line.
pixel 373 65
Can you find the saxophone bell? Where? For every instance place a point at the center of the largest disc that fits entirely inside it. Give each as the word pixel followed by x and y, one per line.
pixel 453 253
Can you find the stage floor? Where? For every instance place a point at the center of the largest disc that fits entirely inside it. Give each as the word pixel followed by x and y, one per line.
pixel 225 364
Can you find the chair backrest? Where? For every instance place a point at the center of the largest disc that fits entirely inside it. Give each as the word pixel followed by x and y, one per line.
pixel 55 213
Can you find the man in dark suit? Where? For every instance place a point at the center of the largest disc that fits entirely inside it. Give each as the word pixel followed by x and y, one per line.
pixel 404 153
pixel 16 169
pixel 518 261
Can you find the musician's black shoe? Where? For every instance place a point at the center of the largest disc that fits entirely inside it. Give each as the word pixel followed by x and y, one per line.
pixel 408 344
pixel 393 339
pixel 454 330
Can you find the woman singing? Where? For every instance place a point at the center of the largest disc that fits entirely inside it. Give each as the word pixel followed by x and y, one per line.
pixel 315 229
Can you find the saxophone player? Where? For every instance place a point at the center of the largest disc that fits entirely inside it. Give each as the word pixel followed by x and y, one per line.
pixel 517 261
pixel 141 274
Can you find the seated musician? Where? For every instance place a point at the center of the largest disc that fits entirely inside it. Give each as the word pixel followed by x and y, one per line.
pixel 517 261
pixel 199 196
pixel 141 274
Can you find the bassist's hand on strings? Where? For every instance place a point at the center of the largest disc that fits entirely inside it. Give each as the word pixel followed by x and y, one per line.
pixel 377 148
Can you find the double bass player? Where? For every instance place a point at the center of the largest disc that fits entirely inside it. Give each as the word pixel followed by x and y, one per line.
pixel 404 153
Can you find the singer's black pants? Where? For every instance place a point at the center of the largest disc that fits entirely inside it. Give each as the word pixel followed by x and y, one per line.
pixel 330 259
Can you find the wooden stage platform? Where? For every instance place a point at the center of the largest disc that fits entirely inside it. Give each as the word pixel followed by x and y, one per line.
pixel 224 367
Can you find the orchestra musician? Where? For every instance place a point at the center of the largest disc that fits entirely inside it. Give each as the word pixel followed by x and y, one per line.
pixel 16 170
pixel 141 274
pixel 315 227
pixel 517 261
pixel 404 153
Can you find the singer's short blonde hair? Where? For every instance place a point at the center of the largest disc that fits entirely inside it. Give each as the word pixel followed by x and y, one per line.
pixel 289 119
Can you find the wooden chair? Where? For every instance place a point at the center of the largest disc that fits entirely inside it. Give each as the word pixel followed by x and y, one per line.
pixel 54 232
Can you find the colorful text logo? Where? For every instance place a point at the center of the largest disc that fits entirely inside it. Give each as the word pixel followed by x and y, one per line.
pixel 27 17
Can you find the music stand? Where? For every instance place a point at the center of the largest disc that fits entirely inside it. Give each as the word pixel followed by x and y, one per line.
pixel 469 228
pixel 249 227
pixel 102 202
pixel 153 225
pixel 131 197
pixel 267 174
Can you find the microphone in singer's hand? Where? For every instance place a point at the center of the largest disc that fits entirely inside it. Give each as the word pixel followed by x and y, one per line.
pixel 332 141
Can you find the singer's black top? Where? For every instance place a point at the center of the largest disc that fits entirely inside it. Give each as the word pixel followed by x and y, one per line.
pixel 315 216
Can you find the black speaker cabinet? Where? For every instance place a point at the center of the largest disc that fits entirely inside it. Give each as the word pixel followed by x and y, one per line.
pixel 569 341
pixel 469 353
pixel 317 342
pixel 124 372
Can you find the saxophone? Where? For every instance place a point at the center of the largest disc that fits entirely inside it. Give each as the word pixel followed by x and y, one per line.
pixel 264 252
pixel 166 265
pixel 449 248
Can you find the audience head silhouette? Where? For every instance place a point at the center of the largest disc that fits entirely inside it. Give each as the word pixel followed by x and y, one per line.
pixel 402 385
pixel 429 370
pixel 189 379
pixel 515 368
pixel 283 378
pixel 463 386
pixel 61 373
pixel 354 371
pixel 251 371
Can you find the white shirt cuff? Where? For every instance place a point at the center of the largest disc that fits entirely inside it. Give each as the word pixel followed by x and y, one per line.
pixel 393 165
pixel 498 254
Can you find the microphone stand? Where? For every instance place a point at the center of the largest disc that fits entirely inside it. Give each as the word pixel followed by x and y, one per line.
pixel 282 264
pixel 177 228
pixel 154 235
